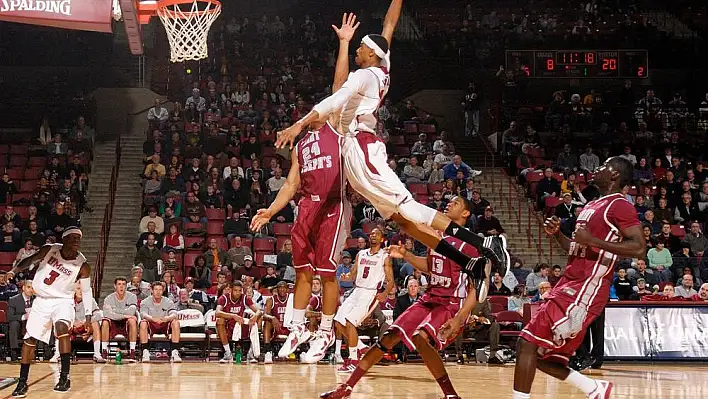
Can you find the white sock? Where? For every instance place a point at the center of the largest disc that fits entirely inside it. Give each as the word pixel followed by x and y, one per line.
pixel 353 353
pixel 96 348
pixel 133 345
pixel 227 349
pixel 326 322
pixel 298 316
pixel 581 382
pixel 104 346
pixel 520 395
pixel 338 347
pixel 360 344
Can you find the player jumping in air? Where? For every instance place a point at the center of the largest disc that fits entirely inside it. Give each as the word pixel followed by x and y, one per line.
pixel 432 323
pixel 372 268
pixel 607 228
pixel 365 158
pixel 60 267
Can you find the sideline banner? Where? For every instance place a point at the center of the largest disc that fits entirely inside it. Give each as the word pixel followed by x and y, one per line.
pixel 656 332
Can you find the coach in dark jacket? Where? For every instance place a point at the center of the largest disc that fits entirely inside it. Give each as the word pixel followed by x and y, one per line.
pixel 403 302
pixel 17 312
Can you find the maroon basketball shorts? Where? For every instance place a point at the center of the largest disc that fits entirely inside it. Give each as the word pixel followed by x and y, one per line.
pixel 319 234
pixel 245 330
pixel 559 326
pixel 159 328
pixel 428 314
pixel 117 327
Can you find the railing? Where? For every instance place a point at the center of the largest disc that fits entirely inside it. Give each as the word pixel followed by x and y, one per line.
pixel 106 223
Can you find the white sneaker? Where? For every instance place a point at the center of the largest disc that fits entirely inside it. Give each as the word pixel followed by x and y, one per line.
pixel 338 359
pixel 228 358
pixel 55 358
pixel 318 346
pixel 97 358
pixel 146 356
pixel 299 334
pixel 175 356
pixel 603 390
pixel 268 358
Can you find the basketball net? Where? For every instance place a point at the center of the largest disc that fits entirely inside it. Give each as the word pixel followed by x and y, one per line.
pixel 187 26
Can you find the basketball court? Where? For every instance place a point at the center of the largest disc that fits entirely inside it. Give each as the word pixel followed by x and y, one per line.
pixel 289 381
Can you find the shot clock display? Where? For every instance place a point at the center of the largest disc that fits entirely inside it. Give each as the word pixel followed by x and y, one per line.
pixel 580 63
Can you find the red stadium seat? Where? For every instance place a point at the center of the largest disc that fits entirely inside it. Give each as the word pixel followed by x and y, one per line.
pixel 190 241
pixel 22 210
pixel 215 228
pixel 259 257
pixel 35 162
pixel 27 186
pixel 16 173
pixel 432 188
pixel 7 258
pixel 20 149
pixel 266 244
pixel 427 129
pixel 268 152
pixel 418 188
pixel 534 176
pixel 398 140
pixel 282 229
pixel 18 161
pixel 220 241
pixel 508 316
pixel 215 214
pixel 192 225
pixel 496 307
pixel 352 242
pixel 3 306
pixel 411 127
pixel 502 300
pixel 403 151
pixel 189 259
pixel 22 196
pixel 4 149
pixel 411 139
pixel 423 199
pixel 678 231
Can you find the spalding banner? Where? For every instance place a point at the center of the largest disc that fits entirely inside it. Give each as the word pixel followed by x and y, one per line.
pixel 92 15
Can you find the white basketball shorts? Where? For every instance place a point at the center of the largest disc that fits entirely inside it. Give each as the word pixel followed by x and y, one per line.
pixel 357 307
pixel 45 313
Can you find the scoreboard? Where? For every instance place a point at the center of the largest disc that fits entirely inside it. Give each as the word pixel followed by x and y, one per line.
pixel 580 63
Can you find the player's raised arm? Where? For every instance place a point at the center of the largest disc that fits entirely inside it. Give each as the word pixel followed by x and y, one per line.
pixel 391 20
pixel 285 194
pixel 400 252
pixel 27 262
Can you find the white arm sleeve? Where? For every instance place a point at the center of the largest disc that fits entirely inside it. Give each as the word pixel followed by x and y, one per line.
pixel 354 83
pixel 87 294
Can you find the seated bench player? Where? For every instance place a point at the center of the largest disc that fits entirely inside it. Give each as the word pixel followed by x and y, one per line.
pixel 78 328
pixel 120 317
pixel 274 319
pixel 230 310
pixel 159 316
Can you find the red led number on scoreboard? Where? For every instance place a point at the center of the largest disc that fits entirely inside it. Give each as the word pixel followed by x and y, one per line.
pixel 51 278
pixel 550 64
pixel 640 71
pixel 590 58
pixel 609 64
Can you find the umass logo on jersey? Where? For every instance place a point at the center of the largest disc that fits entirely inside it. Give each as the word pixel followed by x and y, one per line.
pixel 54 263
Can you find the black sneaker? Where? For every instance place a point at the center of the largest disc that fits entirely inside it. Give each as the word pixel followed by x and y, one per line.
pixel 64 384
pixel 498 254
pixel 582 363
pixel 479 270
pixel 20 390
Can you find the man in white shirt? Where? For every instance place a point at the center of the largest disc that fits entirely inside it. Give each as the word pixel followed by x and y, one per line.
pixel 629 156
pixel 589 162
pixel 233 164
pixel 275 183
pixel 197 100
pixel 158 116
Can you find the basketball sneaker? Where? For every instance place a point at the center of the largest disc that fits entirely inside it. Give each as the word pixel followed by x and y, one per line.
pixel 268 358
pixel 299 334
pixel 146 356
pixel 348 367
pixel 495 248
pixel 97 358
pixel 131 356
pixel 175 358
pixel 342 392
pixel 479 270
pixel 54 358
pixel 338 359
pixel 64 384
pixel 362 351
pixel 20 390
pixel 603 390
pixel 228 358
pixel 318 346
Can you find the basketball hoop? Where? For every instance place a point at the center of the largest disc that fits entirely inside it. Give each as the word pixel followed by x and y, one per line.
pixel 187 23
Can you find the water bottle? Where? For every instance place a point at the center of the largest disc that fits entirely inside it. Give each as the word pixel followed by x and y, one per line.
pixel 237 355
pixel 119 357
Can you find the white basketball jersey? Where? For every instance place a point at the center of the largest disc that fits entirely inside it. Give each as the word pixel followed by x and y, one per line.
pixel 370 273
pixel 56 277
pixel 359 112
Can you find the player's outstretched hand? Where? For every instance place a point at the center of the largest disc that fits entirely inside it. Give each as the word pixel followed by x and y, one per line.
pixel 582 236
pixel 260 219
pixel 449 330
pixel 287 137
pixel 552 225
pixel 349 26
pixel 397 251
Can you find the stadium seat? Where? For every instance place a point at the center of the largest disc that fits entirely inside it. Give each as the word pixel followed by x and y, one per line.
pixel 282 229
pixel 508 316
pixel 418 188
pixel 398 140
pixel 260 255
pixel 496 307
pixel 411 127
pixel 215 214
pixel 27 186
pixel 7 258
pixel 21 210
pixel 20 149
pixel 403 151
pixel 18 161
pixel 502 300
pixel 190 241
pixel 432 188
pixel 264 244
pixel 16 173
pixel 3 306
pixel 189 259
pixel 427 129
pixel 4 149
pixel 192 225
pixel 352 242
pixel 678 230
pixel 215 228
pixel 35 162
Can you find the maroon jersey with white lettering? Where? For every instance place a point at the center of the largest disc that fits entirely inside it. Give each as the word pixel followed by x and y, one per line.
pixel 239 306
pixel 446 276
pixel 590 270
pixel 319 155
pixel 279 307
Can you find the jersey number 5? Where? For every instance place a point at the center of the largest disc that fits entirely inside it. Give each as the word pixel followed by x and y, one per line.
pixel 365 273
pixel 51 278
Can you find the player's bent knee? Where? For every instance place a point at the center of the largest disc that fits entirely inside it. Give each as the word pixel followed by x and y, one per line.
pixel 61 328
pixel 417 212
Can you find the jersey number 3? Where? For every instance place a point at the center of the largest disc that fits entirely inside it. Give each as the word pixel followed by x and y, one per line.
pixel 51 278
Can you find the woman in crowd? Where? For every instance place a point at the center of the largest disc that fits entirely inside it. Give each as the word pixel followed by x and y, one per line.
pixel 285 260
pixel 174 241
pixel 152 185
pixel 200 273
pixel 642 174
pixel 171 288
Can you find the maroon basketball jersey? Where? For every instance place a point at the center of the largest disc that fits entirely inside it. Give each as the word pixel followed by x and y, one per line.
pixel 235 307
pixel 446 277
pixel 321 174
pixel 279 307
pixel 589 272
